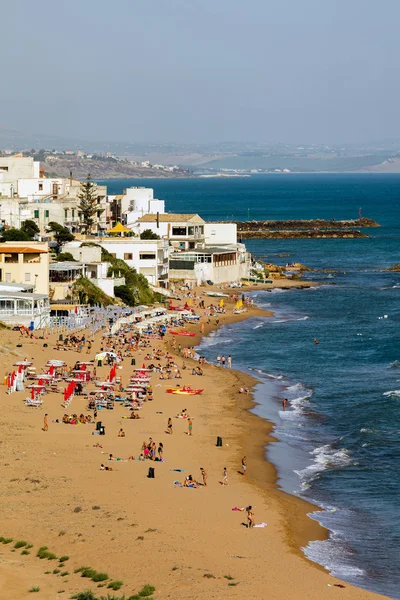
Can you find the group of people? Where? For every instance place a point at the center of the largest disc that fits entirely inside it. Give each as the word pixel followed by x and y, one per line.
pixel 223 362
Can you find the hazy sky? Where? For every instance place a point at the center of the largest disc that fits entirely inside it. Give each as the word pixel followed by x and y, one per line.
pixel 202 70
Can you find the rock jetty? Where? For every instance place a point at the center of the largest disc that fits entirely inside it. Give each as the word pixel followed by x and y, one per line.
pixel 314 228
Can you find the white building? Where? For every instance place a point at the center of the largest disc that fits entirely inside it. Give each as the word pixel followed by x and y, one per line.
pixel 136 202
pixel 148 257
pixel 217 264
pixel 13 168
pixel 217 234
pixel 19 305
pixel 184 231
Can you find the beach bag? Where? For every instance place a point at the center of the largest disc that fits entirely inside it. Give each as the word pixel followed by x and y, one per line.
pixel 219 441
pixel 151 473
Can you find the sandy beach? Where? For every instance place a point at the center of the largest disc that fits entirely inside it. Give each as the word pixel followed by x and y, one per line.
pixel 187 543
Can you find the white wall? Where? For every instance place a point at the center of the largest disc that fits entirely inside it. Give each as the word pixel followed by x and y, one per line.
pixel 220 233
pixel 13 168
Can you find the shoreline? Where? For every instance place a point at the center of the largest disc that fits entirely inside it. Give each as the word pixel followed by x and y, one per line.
pixel 196 542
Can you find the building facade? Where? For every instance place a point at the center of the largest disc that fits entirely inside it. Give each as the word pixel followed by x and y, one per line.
pixel 27 263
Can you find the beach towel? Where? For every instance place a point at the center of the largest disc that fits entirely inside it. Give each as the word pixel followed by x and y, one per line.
pixel 260 525
pixel 177 484
pixel 178 470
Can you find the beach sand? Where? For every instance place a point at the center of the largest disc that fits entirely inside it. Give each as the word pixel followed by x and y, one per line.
pixel 188 543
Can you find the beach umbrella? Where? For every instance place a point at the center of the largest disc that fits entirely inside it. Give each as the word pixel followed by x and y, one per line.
pixel 22 363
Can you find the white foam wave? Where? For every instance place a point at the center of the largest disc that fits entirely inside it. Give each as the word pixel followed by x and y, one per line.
pixel 280 320
pixel 332 555
pixel 392 394
pixel 303 318
pixel 214 341
pixel 325 457
pixel 258 326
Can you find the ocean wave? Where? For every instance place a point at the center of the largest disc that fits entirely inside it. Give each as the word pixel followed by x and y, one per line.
pixel 281 321
pixel 214 341
pixel 325 457
pixel 392 393
pixel 303 318
pixel 395 364
pixel 261 372
pixel 334 557
pixel 258 326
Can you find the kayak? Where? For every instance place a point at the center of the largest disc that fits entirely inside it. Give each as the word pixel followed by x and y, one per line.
pixel 187 333
pixel 181 392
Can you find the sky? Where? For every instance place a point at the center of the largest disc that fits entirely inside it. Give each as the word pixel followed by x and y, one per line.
pixel 199 71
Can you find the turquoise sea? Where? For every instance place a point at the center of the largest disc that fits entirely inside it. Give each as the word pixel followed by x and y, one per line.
pixel 339 439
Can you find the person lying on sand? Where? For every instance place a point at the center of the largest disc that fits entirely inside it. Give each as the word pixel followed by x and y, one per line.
pixel 104 468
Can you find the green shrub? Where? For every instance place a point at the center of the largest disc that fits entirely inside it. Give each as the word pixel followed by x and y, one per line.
pixel 63 558
pixel 115 585
pixel 64 573
pixel 25 552
pixel 87 595
pixel 44 553
pixel 34 589
pixel 20 544
pixel 56 571
pixel 99 577
pixel 146 590
pixel 7 540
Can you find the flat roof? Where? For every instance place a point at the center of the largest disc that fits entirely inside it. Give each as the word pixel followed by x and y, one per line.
pixel 65 266
pixel 209 250
pixel 18 287
pixel 23 295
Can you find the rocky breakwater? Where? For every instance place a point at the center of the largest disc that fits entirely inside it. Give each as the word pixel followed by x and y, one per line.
pixel 314 228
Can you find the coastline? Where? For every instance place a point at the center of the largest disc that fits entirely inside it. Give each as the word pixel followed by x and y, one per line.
pixel 67 464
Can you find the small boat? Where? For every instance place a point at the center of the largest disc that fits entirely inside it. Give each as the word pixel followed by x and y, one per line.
pixel 187 333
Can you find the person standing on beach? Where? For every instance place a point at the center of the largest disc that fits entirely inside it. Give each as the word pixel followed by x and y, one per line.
pixel 204 476
pixel 218 360
pixel 223 360
pixel 225 476
pixel 169 426
pixel 244 465
pixel 229 362
pixel 250 517
pixel 45 423
pixel 190 427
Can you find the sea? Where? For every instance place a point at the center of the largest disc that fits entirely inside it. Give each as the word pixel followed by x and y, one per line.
pixel 339 437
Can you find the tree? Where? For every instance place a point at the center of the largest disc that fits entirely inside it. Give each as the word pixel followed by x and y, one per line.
pixel 61 234
pixel 65 257
pixel 88 204
pixel 15 235
pixel 30 227
pixel 148 234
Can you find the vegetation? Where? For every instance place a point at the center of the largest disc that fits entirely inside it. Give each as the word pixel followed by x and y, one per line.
pixel 63 559
pixel 15 235
pixel 20 544
pixel 64 257
pixel 88 293
pixel 87 595
pixel 61 234
pixel 125 294
pixel 148 234
pixel 88 206
pixel 43 553
pixel 34 589
pixel 146 591
pixel 115 585
pixel 30 228
pixel 137 284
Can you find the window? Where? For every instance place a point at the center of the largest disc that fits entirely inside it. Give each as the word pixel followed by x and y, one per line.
pixel 27 276
pixel 191 230
pixel 46 214
pixel 40 187
pixel 8 277
pixel 65 213
pixel 35 214
pixel 179 231
pixel 147 256
pixel 73 212
pixel 201 229
pixel 127 256
pixel 99 213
